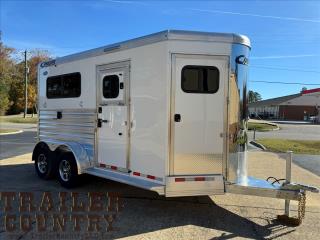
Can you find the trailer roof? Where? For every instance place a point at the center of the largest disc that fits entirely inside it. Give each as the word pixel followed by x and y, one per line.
pixel 152 38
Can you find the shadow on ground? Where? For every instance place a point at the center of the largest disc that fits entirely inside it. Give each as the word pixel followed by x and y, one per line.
pixel 145 212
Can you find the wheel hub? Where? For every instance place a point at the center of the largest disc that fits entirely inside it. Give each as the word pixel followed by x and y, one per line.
pixel 65 170
pixel 42 163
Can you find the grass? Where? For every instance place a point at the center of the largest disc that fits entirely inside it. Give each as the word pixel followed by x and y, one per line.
pixel 19 119
pixel 261 127
pixel 297 146
pixel 8 130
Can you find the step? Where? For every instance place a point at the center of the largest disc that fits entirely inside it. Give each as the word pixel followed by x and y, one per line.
pixel 126 178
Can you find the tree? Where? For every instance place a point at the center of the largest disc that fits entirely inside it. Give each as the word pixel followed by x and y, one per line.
pixel 254 96
pixel 36 57
pixel 6 71
pixel 16 92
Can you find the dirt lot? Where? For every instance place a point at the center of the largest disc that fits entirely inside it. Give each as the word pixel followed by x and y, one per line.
pixel 148 216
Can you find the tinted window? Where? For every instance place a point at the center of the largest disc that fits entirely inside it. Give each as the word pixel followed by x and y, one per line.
pixel 64 86
pixel 110 86
pixel 200 79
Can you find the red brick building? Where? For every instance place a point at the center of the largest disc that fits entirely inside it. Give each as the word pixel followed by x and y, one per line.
pixel 304 106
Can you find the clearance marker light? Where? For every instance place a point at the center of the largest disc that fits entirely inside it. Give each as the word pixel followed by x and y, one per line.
pixel 151 177
pixel 179 179
pixel 113 167
pixel 199 179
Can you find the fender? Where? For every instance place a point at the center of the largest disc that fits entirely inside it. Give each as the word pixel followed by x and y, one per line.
pixel 80 154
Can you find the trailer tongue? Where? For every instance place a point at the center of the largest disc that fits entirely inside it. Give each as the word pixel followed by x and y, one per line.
pixel 273 188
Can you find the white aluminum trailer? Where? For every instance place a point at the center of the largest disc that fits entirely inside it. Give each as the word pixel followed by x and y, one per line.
pixel 166 112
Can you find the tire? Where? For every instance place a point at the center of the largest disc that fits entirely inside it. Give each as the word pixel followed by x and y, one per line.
pixel 44 163
pixel 67 171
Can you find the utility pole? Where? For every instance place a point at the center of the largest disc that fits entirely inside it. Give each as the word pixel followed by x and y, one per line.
pixel 25 85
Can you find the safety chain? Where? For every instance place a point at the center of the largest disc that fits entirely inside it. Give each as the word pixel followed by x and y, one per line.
pixel 296 221
pixel 302 206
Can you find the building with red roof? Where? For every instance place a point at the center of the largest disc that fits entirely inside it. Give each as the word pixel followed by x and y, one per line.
pixel 303 106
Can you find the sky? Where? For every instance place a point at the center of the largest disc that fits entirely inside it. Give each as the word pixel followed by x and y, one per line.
pixel 285 35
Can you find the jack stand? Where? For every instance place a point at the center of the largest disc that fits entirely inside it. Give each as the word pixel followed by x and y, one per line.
pixel 286 219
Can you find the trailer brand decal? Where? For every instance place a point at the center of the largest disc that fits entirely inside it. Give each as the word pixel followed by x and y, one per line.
pixel 242 60
pixel 59 213
pixel 48 63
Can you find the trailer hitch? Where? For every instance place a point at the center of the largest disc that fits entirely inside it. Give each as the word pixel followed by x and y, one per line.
pixel 299 186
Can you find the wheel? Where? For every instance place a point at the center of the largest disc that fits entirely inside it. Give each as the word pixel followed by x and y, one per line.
pixel 44 162
pixel 67 170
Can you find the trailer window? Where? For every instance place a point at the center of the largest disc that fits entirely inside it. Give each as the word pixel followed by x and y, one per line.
pixel 64 86
pixel 199 79
pixel 110 86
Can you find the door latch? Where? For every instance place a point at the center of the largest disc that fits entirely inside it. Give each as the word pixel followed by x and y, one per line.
pixel 177 118
pixel 59 115
pixel 100 121
pixel 99 125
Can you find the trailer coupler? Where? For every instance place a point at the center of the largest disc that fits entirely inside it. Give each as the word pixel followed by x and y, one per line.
pixel 299 186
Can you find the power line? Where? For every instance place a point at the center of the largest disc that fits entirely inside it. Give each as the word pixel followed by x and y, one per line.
pixel 289 83
pixel 285 69
pixel 257 15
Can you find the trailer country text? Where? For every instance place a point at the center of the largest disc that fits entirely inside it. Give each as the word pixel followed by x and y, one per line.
pixel 97 209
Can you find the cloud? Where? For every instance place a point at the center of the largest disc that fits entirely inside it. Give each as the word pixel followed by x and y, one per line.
pixel 257 15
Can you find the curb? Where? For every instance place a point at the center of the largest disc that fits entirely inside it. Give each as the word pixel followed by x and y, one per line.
pixel 10 133
pixel 275 125
pixel 258 145
pixel 270 124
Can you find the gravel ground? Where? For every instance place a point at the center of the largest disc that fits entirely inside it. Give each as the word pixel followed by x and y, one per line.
pixel 148 216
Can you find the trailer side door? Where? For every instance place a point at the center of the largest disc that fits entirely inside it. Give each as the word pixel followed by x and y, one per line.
pixel 113 116
pixel 197 116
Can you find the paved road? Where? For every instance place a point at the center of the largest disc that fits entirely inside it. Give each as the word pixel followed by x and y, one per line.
pixel 300 132
pixel 309 162
pixel 292 131
pixel 17 144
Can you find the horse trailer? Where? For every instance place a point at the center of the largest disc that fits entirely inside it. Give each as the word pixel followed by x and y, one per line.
pixel 165 112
